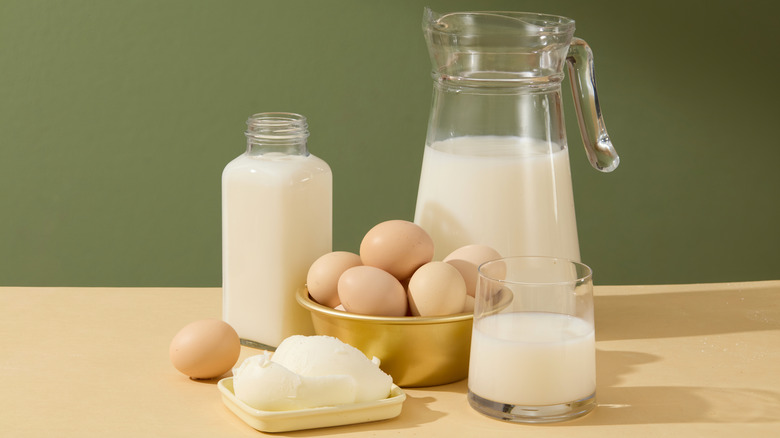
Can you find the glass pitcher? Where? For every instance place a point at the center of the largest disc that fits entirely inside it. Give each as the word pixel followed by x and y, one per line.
pixel 496 165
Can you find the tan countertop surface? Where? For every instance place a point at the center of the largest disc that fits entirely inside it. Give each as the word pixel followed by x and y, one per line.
pixel 673 360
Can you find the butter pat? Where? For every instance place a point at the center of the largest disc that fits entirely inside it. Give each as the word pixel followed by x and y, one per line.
pixel 308 372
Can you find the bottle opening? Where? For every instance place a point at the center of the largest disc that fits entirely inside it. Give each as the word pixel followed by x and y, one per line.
pixel 277 126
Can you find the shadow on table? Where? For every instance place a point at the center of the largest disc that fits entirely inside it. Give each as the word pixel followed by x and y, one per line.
pixel 670 404
pixel 678 404
pixel 690 313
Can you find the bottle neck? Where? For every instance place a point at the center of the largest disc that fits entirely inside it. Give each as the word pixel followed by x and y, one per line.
pixel 280 133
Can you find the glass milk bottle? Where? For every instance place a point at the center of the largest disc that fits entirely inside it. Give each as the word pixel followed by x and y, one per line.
pixel 495 167
pixel 276 221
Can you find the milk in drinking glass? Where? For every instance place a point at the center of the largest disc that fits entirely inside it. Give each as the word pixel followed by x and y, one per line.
pixel 533 355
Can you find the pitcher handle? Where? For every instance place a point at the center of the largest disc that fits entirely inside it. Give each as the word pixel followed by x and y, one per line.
pixel 601 153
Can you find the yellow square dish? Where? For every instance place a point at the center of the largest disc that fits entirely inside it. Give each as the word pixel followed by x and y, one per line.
pixel 284 421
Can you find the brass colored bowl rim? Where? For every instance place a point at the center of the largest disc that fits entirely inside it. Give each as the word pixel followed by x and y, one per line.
pixel 305 300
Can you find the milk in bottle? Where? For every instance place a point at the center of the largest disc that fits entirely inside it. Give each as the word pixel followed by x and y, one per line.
pixel 276 221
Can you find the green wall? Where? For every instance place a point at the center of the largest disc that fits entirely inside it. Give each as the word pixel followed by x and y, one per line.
pixel 117 117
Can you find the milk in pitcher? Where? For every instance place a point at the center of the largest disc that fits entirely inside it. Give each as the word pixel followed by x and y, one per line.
pixel 511 193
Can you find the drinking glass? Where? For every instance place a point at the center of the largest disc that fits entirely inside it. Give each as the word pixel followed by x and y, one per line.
pixel 533 345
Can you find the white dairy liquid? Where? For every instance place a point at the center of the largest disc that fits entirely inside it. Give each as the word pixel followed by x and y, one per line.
pixel 532 359
pixel 513 194
pixel 276 221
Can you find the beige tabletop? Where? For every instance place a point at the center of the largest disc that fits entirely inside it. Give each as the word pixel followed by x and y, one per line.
pixel 676 360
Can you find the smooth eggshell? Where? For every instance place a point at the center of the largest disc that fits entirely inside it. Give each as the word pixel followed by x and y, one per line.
pixel 323 277
pixel 437 289
pixel 468 306
pixel 467 259
pixel 205 349
pixel 371 291
pixel 398 247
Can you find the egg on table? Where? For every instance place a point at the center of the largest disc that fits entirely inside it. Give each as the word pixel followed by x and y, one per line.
pixel 205 349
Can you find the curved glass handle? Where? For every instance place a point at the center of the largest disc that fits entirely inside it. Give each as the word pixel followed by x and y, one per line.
pixel 601 153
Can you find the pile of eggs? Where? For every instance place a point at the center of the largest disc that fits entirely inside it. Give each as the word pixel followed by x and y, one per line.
pixel 395 275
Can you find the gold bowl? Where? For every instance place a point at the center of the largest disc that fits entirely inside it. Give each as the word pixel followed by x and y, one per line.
pixel 414 350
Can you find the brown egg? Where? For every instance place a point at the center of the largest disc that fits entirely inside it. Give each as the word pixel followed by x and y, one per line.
pixel 398 247
pixel 468 306
pixel 371 291
pixel 437 289
pixel 467 259
pixel 323 277
pixel 205 349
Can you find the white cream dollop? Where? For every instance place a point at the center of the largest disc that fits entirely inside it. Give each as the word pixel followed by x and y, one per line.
pixel 307 372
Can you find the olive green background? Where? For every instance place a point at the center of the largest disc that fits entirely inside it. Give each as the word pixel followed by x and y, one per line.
pixel 117 118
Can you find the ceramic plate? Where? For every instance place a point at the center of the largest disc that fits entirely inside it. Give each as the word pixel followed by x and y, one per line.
pixel 284 421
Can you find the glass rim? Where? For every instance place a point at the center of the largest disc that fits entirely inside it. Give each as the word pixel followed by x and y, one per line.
pixel 588 275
